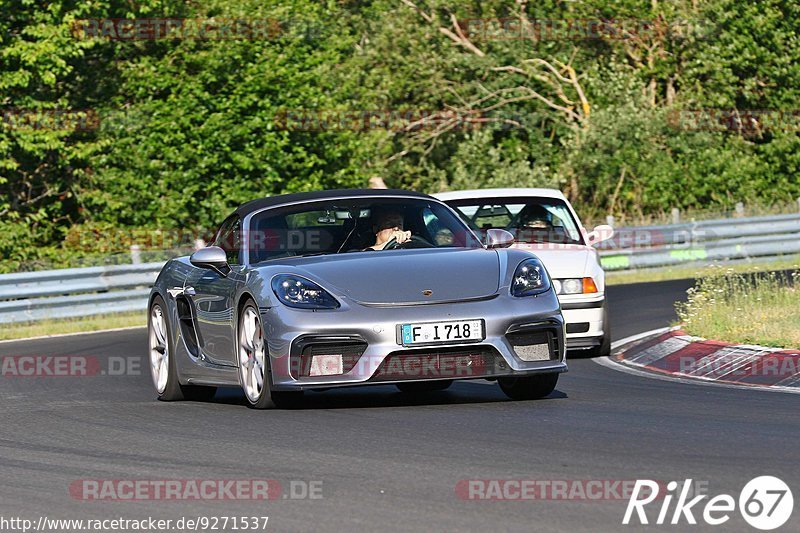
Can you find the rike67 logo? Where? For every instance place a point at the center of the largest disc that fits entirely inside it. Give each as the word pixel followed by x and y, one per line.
pixel 765 503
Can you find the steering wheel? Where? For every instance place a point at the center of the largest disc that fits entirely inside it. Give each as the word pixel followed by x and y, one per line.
pixel 414 242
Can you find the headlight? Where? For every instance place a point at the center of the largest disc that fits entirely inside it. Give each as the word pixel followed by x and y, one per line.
pixel 299 292
pixel 575 286
pixel 530 278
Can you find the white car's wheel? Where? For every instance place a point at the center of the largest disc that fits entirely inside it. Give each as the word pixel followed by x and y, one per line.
pixel 604 349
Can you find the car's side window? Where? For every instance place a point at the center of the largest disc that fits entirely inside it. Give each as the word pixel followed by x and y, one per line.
pixel 438 233
pixel 229 238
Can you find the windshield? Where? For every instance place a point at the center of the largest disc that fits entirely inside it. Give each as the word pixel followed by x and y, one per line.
pixel 530 220
pixel 351 225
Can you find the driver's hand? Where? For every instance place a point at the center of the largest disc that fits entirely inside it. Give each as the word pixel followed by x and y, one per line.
pixel 400 236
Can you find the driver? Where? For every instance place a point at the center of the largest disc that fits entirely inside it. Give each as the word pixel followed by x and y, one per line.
pixel 534 216
pixel 388 225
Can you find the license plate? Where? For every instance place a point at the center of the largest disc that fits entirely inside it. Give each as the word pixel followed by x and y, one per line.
pixel 442 332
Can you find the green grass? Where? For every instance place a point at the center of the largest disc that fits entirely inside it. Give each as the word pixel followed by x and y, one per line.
pixel 757 309
pixel 691 272
pixel 72 325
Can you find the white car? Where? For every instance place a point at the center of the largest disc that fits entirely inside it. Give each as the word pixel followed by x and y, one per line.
pixel 544 222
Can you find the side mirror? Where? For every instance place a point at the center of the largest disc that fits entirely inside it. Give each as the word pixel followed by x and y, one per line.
pixel 212 257
pixel 498 238
pixel 600 233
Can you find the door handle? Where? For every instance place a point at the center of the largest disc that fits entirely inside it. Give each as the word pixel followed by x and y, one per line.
pixel 179 291
pixel 175 291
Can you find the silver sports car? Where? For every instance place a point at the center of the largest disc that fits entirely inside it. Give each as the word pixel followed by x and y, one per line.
pixel 352 287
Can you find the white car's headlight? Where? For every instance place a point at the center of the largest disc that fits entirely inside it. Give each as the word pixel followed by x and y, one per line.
pixel 574 286
pixel 302 293
pixel 530 279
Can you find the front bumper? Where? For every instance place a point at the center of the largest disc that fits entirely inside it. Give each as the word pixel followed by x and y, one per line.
pixel 585 319
pixel 370 335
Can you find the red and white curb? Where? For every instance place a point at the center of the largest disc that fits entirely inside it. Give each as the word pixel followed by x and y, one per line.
pixel 672 353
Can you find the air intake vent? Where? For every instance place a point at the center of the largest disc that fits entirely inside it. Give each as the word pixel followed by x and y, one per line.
pixel 534 345
pixel 578 327
pixel 350 352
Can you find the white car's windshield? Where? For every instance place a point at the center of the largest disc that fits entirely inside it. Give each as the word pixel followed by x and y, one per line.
pixel 530 220
pixel 352 225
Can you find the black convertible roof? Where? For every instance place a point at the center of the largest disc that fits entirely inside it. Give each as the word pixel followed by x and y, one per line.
pixel 261 203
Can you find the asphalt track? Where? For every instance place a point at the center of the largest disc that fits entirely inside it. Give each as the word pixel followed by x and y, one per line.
pixel 387 462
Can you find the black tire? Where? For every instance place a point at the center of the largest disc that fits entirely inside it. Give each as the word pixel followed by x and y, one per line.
pixel 276 399
pixel 604 349
pixel 172 391
pixel 530 387
pixel 267 399
pixel 424 386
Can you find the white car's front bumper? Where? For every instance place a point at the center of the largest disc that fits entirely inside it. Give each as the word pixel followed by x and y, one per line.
pixel 585 318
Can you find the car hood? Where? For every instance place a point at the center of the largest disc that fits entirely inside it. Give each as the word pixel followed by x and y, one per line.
pixel 561 260
pixel 401 276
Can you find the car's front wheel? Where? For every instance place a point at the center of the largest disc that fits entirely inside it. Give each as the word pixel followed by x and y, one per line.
pixel 254 364
pixel 162 360
pixel 529 387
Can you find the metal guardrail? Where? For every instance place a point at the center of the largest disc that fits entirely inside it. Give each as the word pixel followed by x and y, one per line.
pixel 78 292
pixel 75 292
pixel 709 240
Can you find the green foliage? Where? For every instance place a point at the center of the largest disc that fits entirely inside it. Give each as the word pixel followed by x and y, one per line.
pixel 189 128
pixel 631 161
